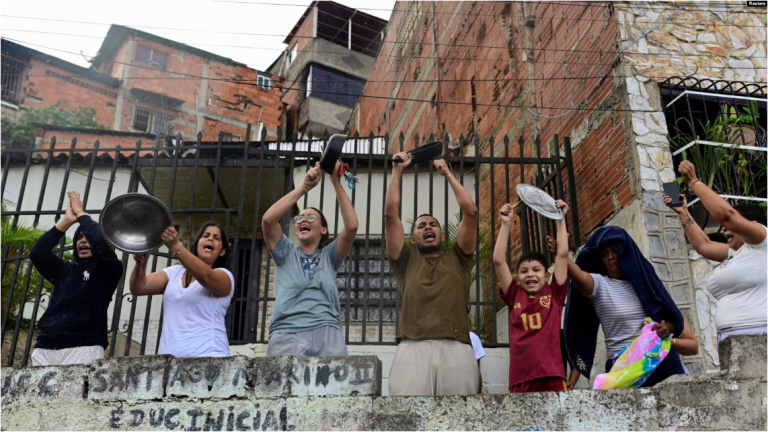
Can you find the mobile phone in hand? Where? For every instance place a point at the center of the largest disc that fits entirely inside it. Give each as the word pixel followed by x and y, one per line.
pixel 672 190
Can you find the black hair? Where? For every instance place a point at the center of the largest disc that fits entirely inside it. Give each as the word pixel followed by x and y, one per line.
pixel 532 256
pixel 221 261
pixel 413 226
pixel 326 238
pixel 751 212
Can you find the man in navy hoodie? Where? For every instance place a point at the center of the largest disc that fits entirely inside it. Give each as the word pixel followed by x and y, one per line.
pixel 74 327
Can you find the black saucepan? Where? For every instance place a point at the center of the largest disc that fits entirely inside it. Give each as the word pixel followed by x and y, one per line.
pixel 424 154
pixel 332 152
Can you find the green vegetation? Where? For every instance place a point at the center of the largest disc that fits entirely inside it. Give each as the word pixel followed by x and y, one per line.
pixel 19 242
pixel 25 127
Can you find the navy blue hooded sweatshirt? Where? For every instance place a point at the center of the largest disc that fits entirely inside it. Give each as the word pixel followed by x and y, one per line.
pixel 82 289
pixel 581 321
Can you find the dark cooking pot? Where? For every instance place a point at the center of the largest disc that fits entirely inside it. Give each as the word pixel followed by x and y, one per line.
pixel 332 152
pixel 424 154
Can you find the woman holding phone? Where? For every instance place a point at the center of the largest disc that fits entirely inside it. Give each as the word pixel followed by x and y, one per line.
pixel 196 293
pixel 739 282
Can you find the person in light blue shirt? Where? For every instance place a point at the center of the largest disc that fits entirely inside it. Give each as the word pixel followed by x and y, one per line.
pixel 305 320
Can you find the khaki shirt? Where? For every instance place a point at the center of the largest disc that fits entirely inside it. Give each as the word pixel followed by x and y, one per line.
pixel 435 292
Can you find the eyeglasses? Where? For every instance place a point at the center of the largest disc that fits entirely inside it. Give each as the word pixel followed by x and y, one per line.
pixel 300 218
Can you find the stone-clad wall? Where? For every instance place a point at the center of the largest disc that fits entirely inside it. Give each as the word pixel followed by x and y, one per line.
pixel 705 40
pixel 342 393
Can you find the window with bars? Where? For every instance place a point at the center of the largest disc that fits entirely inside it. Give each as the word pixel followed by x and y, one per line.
pixel 332 85
pixel 264 82
pixel 148 120
pixel 151 58
pixel 12 78
pixel 370 296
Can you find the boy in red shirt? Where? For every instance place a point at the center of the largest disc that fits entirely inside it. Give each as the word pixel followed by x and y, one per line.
pixel 535 307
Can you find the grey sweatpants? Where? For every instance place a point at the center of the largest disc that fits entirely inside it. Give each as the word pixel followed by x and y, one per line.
pixel 439 367
pixel 322 341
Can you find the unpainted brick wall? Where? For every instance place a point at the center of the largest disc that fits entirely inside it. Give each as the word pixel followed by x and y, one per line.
pixel 489 61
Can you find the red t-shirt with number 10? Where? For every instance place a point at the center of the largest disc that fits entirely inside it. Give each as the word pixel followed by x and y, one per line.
pixel 534 332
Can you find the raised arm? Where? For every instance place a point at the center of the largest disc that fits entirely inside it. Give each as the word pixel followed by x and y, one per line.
pixel 394 226
pixel 45 261
pixel 752 232
pixel 583 281
pixel 561 254
pixel 141 283
pixel 270 222
pixel 347 235
pixel 699 240
pixel 211 279
pixel 500 250
pixel 466 237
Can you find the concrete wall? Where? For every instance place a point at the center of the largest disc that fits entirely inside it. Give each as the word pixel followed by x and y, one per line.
pixel 494 366
pixel 343 393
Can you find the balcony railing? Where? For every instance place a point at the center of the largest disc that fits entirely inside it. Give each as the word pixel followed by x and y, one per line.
pixel 720 127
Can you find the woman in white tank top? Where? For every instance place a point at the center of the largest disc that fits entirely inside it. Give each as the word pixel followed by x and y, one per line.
pixel 739 283
pixel 196 293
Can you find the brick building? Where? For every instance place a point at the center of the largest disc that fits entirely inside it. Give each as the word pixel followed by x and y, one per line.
pixel 142 83
pixel 328 57
pixel 32 79
pixel 494 70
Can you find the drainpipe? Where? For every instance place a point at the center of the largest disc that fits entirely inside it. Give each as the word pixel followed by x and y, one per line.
pixel 197 111
pixel 258 122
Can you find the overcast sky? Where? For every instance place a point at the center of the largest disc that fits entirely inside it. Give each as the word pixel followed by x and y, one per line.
pixel 200 19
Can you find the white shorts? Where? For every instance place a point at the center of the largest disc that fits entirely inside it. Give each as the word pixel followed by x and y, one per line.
pixel 66 356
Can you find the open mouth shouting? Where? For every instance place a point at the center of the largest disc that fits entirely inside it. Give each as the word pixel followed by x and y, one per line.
pixel 84 249
pixel 208 247
pixel 531 283
pixel 305 228
pixel 429 237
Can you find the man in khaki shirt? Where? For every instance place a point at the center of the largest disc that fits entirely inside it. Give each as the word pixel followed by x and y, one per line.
pixel 434 354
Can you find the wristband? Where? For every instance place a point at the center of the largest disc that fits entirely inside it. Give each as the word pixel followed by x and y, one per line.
pixel 302 187
pixel 697 180
pixel 176 253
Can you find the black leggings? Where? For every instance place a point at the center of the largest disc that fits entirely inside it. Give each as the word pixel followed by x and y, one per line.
pixel 671 365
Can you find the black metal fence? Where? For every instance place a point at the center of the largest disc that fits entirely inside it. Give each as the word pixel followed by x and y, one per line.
pixel 234 183
pixel 720 127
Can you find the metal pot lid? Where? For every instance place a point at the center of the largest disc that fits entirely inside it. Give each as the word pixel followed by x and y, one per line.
pixel 134 222
pixel 426 153
pixel 539 201
pixel 332 152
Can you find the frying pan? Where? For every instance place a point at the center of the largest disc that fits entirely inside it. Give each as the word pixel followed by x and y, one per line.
pixel 332 152
pixel 424 154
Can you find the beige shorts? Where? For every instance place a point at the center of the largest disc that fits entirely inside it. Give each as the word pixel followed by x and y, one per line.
pixel 433 368
pixel 66 356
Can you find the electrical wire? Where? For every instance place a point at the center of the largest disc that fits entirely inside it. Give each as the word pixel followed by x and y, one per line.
pixel 571 4
pixel 546 50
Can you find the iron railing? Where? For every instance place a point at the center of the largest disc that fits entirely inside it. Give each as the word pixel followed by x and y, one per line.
pixel 720 127
pixel 234 183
